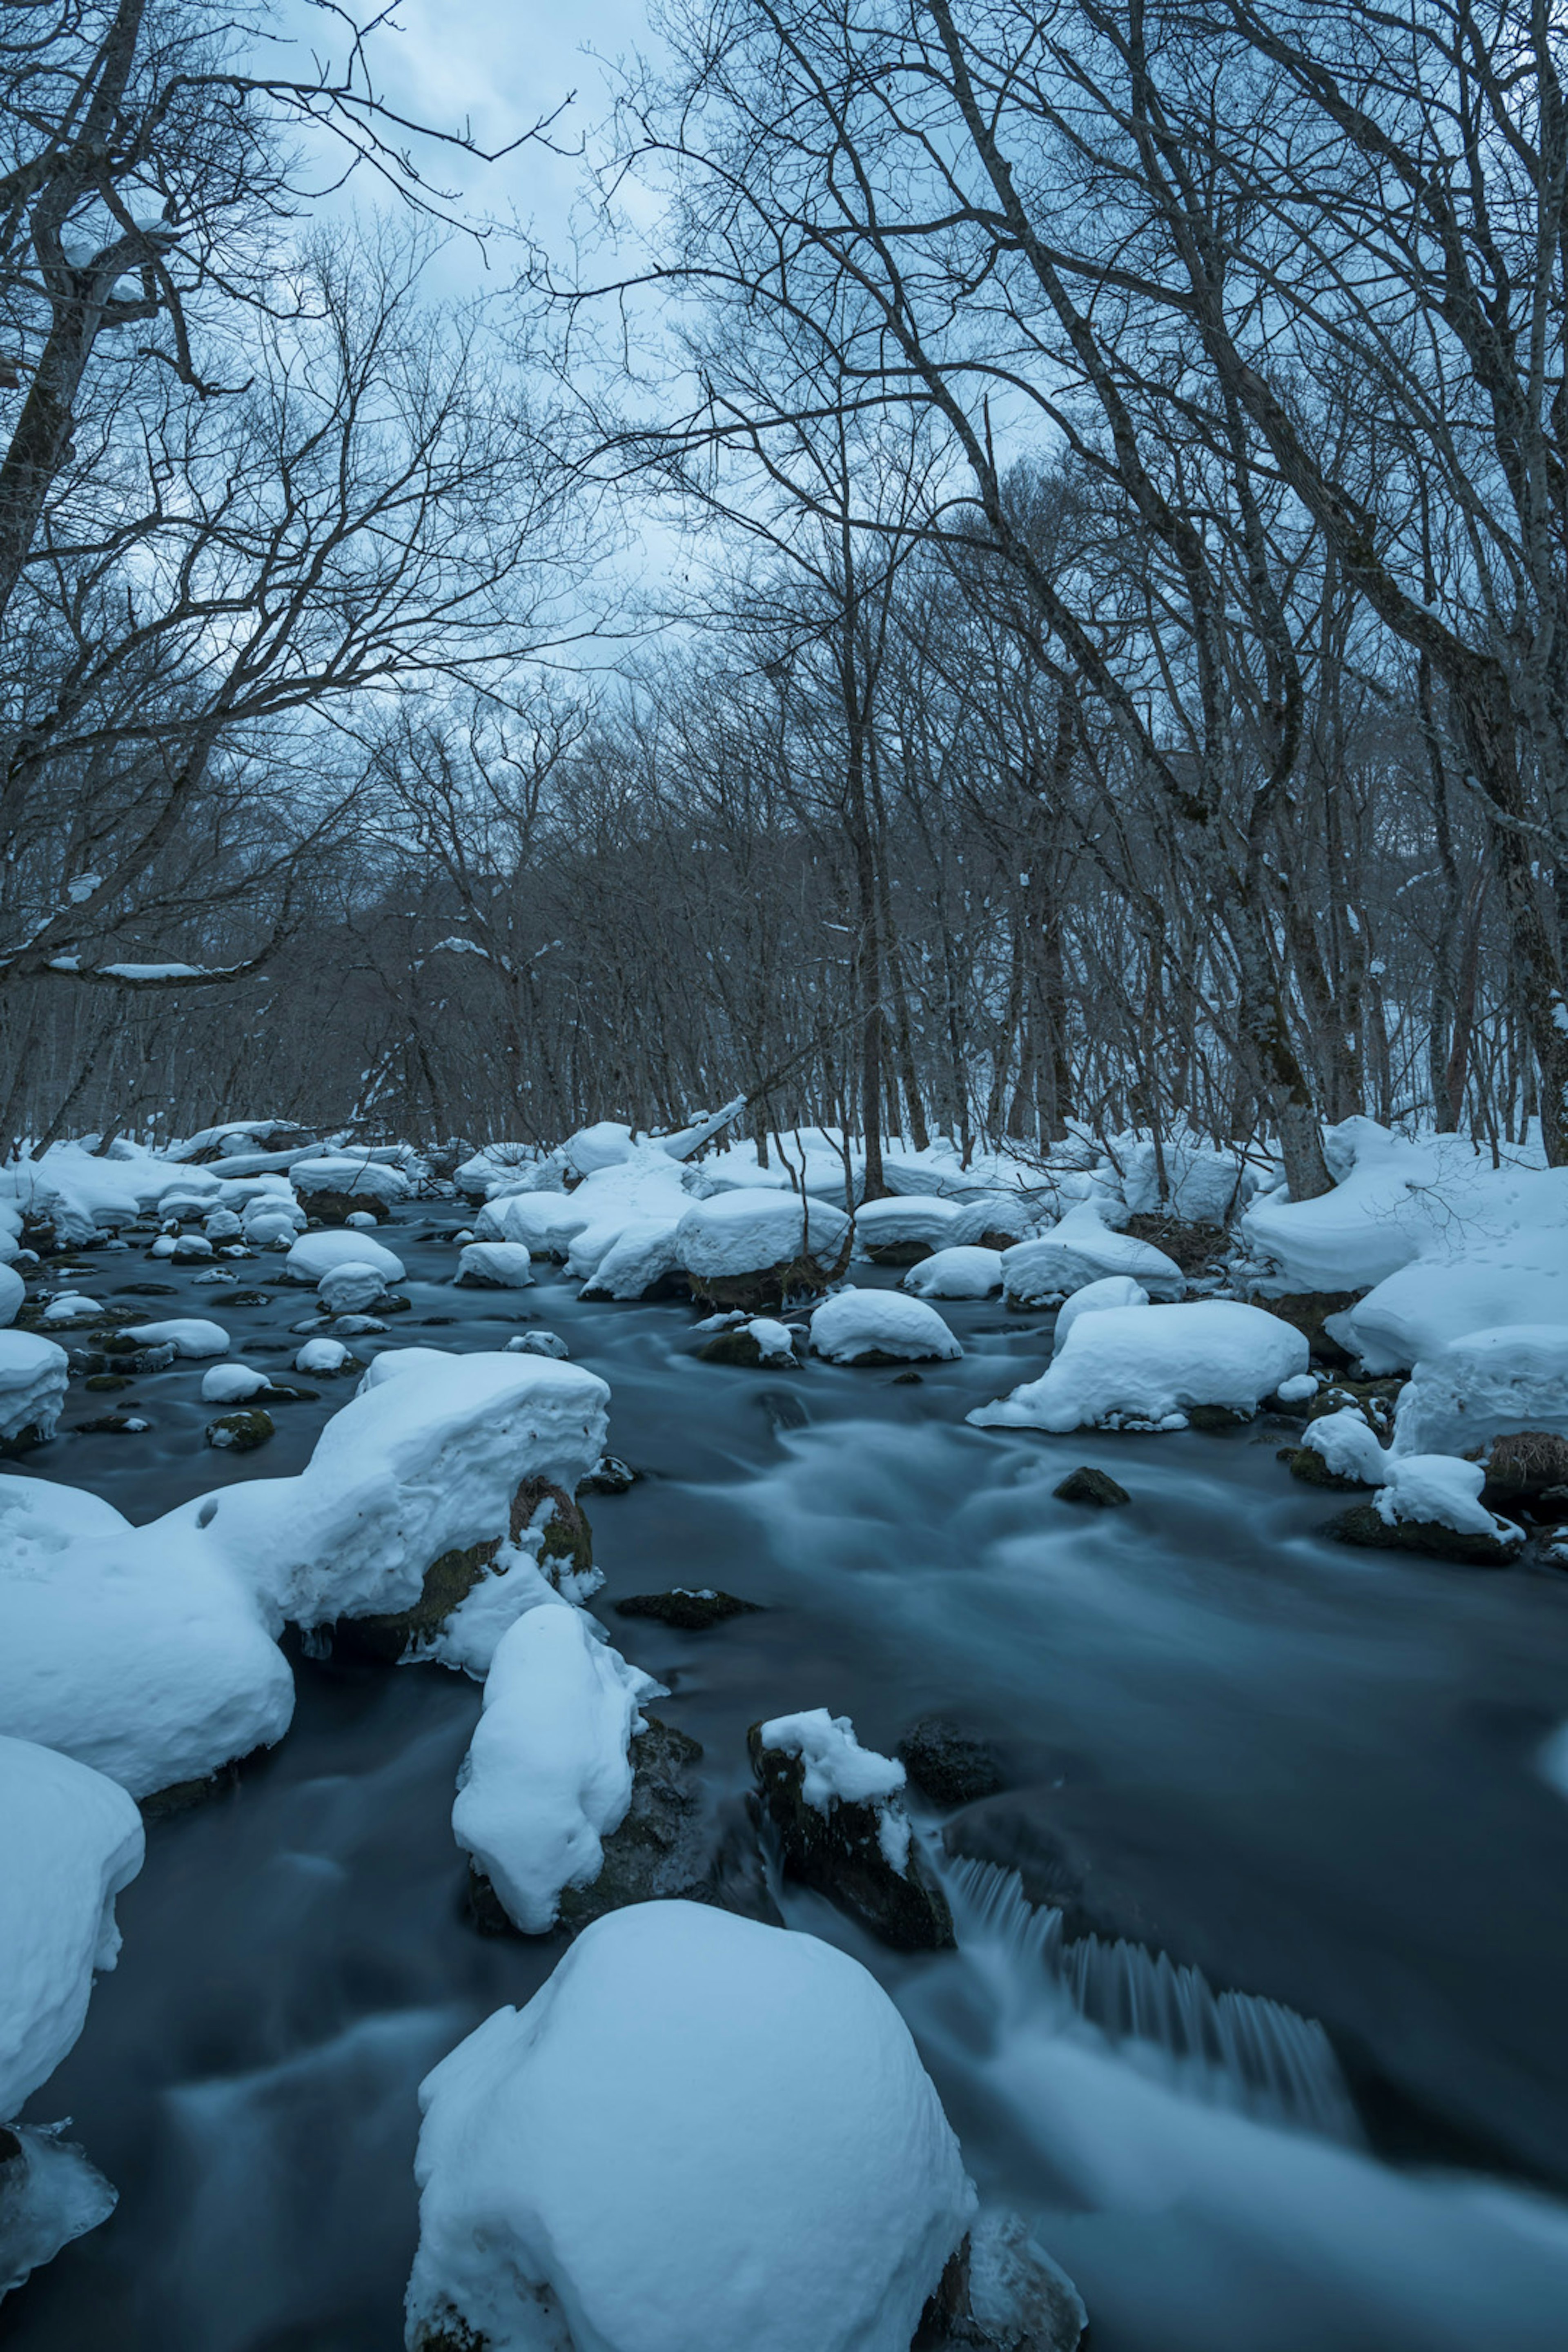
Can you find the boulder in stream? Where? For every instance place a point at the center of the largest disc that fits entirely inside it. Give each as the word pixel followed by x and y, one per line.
pixel 1088 1485
pixel 688 1611
pixel 838 1813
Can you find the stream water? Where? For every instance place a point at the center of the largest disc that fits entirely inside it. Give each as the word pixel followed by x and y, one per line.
pixel 1331 2110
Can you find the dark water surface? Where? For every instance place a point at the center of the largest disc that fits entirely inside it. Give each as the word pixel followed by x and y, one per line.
pixel 1304 1771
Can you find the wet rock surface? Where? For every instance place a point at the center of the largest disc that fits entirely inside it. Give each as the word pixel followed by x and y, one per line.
pixel 688 1611
pixel 1088 1485
pixel 1364 1525
pixel 950 1764
pixel 841 1853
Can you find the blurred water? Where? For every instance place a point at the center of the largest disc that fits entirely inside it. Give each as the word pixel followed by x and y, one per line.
pixel 1293 2097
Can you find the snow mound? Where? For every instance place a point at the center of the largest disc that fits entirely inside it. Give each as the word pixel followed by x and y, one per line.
pixel 368 1179
pixel 1110 1290
pixel 1348 1446
pixel 1143 1367
pixel 68 1308
pixel 1436 1487
pixel 232 1383
pixel 1080 1250
pixel 322 1358
pixel 34 1374
pixel 352 1288
pixel 188 1335
pixel 70 1839
pixel 702 2135
pixel 545 1223
pixel 643 1254
pixel 137 1650
pixel 967 1272
pixel 856 1324
pixel 314 1255
pixel 496 1265
pixel 750 1233
pixel 547 1776
pixel 13 1291
pixel 1518 1278
pixel 82 1195
pixel 907 1217
pixel 1203 1186
pixel 1489 1384
pixel 1015 1215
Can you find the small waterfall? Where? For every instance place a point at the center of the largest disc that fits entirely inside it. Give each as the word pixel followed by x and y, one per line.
pixel 1230 2048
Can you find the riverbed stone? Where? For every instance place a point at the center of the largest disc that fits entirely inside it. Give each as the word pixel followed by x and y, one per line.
pixel 948 1764
pixel 840 1853
pixel 1088 1485
pixel 688 1611
pixel 241 1432
pixel 1365 1524
pixel 566 1554
pixel 612 1476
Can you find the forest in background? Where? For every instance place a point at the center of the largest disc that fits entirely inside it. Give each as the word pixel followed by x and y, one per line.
pixel 1115 667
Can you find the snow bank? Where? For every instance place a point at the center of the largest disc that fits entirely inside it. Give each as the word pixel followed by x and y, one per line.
pixel 314 1255
pixel 495 1265
pixel 1519 1278
pixel 1016 1215
pixel 82 1195
pixel 496 1163
pixel 547 1776
pixel 1143 1366
pixel 647 1186
pixel 13 1291
pixel 1110 1290
pixel 1080 1250
pixel 749 1233
pixel 1203 1186
pixel 854 1324
pixel 963 1273
pixel 1490 1384
pixel 424 1459
pixel 34 1374
pixel 702 2135
pixel 70 1839
pixel 137 1650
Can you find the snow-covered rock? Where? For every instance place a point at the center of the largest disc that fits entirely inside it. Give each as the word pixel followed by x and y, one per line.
pixel 188 1335
pixel 890 1229
pixel 353 1177
pixel 496 1163
pixel 350 1288
pixel 642 1254
pixel 34 1374
pixel 1437 1490
pixel 647 1187
pixel 745 1237
pixel 314 1255
pixel 83 1195
pixel 1145 1368
pixel 837 1771
pixel 547 1776
pixel 137 1650
pixel 997 1219
pixel 1203 1186
pixel 1490 1384
pixel 1080 1249
pixel 495 1265
pixel 702 2135
pixel 233 1384
pixel 1110 1290
pixel 1348 1446
pixel 603 1145
pixel 70 1839
pixel 13 1291
pixel 968 1272
pixel 322 1358
pixel 547 1222
pixel 271 1222
pixel 538 1343
pixel 856 1326
pixel 69 1309
pixel 1478 1283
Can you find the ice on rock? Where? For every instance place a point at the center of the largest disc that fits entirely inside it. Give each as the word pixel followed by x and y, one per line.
pixel 188 1335
pixel 232 1384
pixel 352 1288
pixel 314 1255
pixel 1110 1290
pixel 70 1839
pixel 13 1291
pixel 139 1651
pixel 1439 1489
pixel 751 1233
pixel 967 1272
pixel 1144 1368
pixel 495 1265
pixel 547 1776
pixel 323 1357
pixel 855 1326
pixel 702 2135
pixel 34 1374
pixel 1490 1384
pixel 1080 1250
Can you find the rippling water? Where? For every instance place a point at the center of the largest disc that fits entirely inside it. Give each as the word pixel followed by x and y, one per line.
pixel 1307 2087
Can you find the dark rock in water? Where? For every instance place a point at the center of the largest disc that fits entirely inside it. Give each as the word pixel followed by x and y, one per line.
pixel 1194 1247
pixel 612 1476
pixel 740 1347
pixel 769 1286
pixel 111 1425
pixel 1365 1524
pixel 241 1432
pixel 22 1443
pixel 907 1381
pixel 566 1550
pixel 1307 1311
pixel 107 1383
pixel 1001 2292
pixel 689 1612
pixel 1215 1416
pixel 840 1852
pixel 948 1764
pixel 898 1252
pixel 337 1208
pixel 181 1795
pixel 117 1354
pixel 1100 1885
pixel 1087 1484
pixel 1306 1462
pixel 249 1298
pixel 167 1290
pixel 278 1394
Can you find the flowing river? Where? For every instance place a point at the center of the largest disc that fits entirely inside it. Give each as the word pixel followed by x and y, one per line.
pixel 1322 2101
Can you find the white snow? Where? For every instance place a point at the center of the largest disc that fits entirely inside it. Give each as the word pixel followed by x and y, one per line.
pixel 496 1265
pixel 352 1288
pixel 908 1217
pixel 232 1384
pixel 647 1186
pixel 546 1221
pixel 70 1839
pixel 964 1272
pixel 547 1776
pixel 188 1335
pixel 1437 1487
pixel 1012 1214
pixel 1202 1185
pixel 751 1232
pixel 642 1254
pixel 838 1770
pixel 1110 1290
pixel 1490 1384
pixel 775 1339
pixel 1348 1445
pixel 1080 1250
pixel 68 1308
pixel 1141 1366
pixel 322 1356
pixel 538 1343
pixel 1477 1282
pixel 83 1194
pixel 34 1373
pixel 702 2135
pixel 373 1179
pixel 13 1291
pixel 1300 1390
pixel 315 1254
pixel 855 1323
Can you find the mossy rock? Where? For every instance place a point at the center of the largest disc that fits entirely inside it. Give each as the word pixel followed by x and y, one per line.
pixel 337 1208
pixel 1306 1463
pixel 736 1348
pixel 107 1383
pixel 1374 1399
pixel 1215 1416
pixel 1364 1524
pixel 689 1612
pixel 109 1424
pixel 660 1851
pixel 1526 1466
pixel 181 1795
pixel 948 1764
pixel 567 1549
pixel 241 1432
pixel 840 1853
pixel 769 1286
pixel 249 1298
pixel 450 2333
pixel 24 1441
